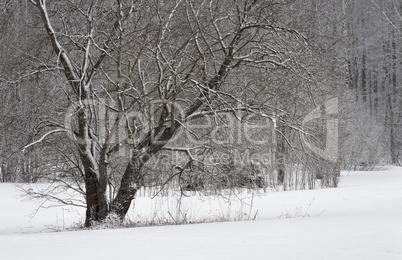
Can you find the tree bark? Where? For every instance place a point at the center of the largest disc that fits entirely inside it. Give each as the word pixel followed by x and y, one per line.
pixel 130 183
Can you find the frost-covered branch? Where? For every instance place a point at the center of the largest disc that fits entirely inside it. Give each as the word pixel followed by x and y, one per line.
pixel 43 138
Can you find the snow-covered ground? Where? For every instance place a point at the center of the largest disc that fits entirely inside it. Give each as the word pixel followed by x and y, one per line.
pixel 362 219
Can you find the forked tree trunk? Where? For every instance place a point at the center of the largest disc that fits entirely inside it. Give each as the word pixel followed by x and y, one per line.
pixel 132 177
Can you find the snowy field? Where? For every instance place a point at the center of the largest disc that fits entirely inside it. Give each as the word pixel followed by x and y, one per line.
pixel 362 219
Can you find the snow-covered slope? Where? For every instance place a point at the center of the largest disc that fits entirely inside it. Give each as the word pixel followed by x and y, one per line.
pixel 362 219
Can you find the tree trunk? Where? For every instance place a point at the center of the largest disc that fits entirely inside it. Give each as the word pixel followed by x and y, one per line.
pixel 392 99
pixel 130 183
pixel 280 159
pixel 101 193
pixel 95 204
pixel 97 207
pixel 364 78
pixel 132 177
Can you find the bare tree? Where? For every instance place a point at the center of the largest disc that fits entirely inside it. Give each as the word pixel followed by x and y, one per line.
pixel 137 73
